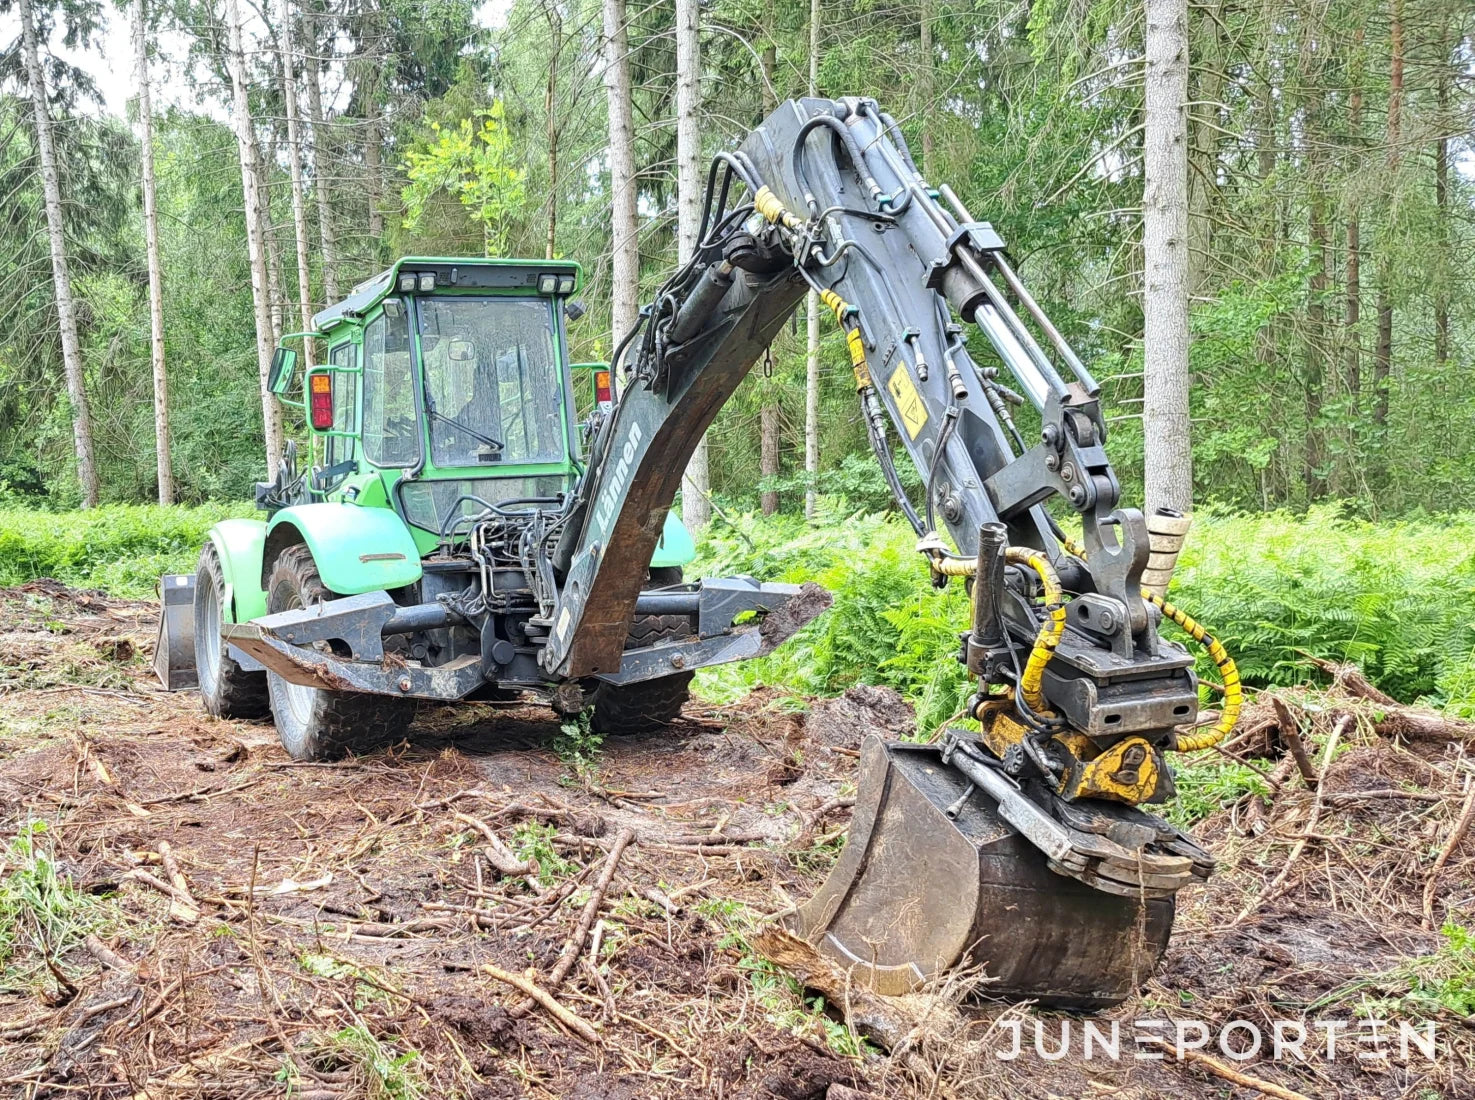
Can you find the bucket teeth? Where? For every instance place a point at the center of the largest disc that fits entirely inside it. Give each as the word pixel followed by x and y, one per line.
pixel 951 862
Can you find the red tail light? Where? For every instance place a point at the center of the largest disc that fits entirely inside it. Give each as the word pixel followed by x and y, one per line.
pixel 320 401
pixel 603 392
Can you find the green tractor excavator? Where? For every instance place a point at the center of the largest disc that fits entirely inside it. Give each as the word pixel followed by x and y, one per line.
pixel 456 533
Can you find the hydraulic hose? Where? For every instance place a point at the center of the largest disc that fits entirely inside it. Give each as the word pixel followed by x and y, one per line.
pixel 1233 690
pixel 1051 630
pixel 852 151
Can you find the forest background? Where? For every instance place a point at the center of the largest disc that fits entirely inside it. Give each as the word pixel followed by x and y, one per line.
pixel 1329 191
pixel 1329 196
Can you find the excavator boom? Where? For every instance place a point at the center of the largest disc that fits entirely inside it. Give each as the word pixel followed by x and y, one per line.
pixel 1022 845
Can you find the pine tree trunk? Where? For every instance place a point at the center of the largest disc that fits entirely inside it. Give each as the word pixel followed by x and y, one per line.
pixel 164 466
pixel 271 413
pixel 326 238
pixel 1167 459
pixel 71 348
pixel 550 115
pixel 1315 375
pixel 1208 86
pixel 926 83
pixel 696 507
pixel 768 413
pixel 624 221
pixel 1352 315
pixel 1383 354
pixel 1441 213
pixel 294 170
pixel 768 438
pixel 811 343
pixel 374 169
pixel 275 296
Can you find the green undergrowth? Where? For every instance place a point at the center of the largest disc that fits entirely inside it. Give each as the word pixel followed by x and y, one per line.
pixel 121 548
pixel 1274 587
pixel 378 1068
pixel 887 625
pixel 1424 987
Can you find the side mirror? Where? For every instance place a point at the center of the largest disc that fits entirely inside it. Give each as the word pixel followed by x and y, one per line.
pixel 573 310
pixel 283 366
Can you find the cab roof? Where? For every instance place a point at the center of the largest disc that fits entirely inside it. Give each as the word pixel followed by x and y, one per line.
pixel 461 273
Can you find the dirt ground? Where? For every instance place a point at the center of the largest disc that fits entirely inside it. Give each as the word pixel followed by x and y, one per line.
pixel 336 919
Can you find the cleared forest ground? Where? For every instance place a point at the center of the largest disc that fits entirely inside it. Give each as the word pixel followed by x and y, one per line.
pixel 331 925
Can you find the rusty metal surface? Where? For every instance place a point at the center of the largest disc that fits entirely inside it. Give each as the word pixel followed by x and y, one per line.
pixel 915 893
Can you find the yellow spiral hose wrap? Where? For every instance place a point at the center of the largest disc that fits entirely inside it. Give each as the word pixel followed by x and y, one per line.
pixel 1233 690
pixel 1234 694
pixel 1031 680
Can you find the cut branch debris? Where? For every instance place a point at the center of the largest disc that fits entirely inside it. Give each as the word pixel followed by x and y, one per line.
pixel 575 1023
pixel 1227 1073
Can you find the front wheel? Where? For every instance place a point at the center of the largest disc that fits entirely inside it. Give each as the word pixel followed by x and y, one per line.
pixel 650 704
pixel 226 689
pixel 314 723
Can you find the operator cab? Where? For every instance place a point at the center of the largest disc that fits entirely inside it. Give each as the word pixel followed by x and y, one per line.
pixel 445 390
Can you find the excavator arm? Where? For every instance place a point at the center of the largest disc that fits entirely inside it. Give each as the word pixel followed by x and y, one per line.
pixel 1036 817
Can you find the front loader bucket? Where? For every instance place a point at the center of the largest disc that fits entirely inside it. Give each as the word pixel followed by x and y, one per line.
pixel 915 893
pixel 174 651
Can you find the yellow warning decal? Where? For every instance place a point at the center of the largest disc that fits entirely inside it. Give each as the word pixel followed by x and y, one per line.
pixel 908 403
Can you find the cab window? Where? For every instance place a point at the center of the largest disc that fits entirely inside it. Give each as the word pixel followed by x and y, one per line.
pixel 389 429
pixel 345 405
pixel 491 375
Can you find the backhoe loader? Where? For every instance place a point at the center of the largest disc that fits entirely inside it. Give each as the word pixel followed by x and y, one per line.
pixel 456 535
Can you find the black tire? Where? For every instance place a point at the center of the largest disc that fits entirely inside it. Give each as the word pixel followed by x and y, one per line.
pixel 650 704
pixel 226 689
pixel 314 723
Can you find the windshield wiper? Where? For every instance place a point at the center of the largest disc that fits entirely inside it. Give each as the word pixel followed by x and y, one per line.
pixel 435 414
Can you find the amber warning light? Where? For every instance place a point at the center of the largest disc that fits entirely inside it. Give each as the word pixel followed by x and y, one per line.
pixel 320 392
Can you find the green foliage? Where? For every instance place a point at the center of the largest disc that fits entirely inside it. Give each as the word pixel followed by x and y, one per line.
pixel 477 164
pixel 43 915
pixel 578 746
pixel 122 548
pixel 534 840
pixel 1446 979
pixel 1208 785
pixel 887 625
pixel 1391 597
pixel 1273 588
pixel 379 1069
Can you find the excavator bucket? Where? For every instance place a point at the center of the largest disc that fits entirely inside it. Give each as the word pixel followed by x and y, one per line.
pixel 174 649
pixel 931 878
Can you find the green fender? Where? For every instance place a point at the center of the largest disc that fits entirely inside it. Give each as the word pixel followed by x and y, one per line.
pixel 356 549
pixel 238 544
pixel 675 546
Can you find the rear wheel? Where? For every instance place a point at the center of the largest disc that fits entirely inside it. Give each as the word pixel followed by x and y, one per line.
pixel 314 723
pixel 650 704
pixel 227 690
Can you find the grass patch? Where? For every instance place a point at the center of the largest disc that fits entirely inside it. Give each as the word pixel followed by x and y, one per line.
pixel 1207 786
pixel 379 1069
pixel 43 915
pixel 1445 979
pixel 121 548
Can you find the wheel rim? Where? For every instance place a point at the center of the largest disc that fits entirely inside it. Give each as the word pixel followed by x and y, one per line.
pixel 207 635
pixel 299 699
